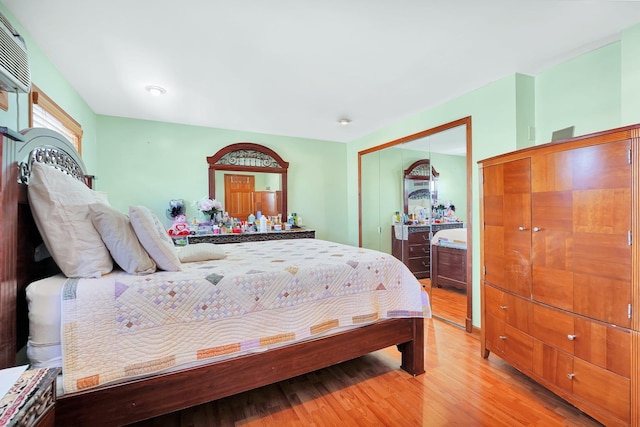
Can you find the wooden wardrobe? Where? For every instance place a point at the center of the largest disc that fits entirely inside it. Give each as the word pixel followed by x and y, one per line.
pixel 560 268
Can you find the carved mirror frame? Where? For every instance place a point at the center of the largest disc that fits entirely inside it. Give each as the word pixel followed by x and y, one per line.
pixel 419 171
pixel 248 157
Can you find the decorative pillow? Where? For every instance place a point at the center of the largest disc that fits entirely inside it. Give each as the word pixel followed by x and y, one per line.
pixel 118 235
pixel 154 238
pixel 60 207
pixel 200 252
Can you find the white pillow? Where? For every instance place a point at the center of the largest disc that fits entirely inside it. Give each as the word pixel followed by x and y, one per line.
pixel 60 207
pixel 200 252
pixel 154 238
pixel 118 235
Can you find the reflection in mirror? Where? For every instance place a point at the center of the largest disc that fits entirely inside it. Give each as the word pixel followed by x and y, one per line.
pixel 445 147
pixel 244 193
pixel 420 191
pixel 447 284
pixel 249 178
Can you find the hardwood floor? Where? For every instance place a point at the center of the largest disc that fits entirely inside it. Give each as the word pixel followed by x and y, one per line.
pixel 459 388
pixel 448 303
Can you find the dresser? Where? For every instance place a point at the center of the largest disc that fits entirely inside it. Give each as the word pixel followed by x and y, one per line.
pixel 412 245
pixel 560 271
pixel 253 237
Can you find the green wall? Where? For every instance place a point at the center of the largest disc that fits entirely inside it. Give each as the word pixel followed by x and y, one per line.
pixel 452 182
pixel 150 163
pixel 584 92
pixel 143 162
pixel 595 91
pixel 46 76
pixel 630 81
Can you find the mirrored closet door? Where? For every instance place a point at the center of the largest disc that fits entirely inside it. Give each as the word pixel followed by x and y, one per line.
pixel 414 195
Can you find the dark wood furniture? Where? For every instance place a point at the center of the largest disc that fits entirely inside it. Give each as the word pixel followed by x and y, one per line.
pixel 247 157
pixel 253 237
pixel 33 399
pixel 8 243
pixel 448 267
pixel 141 399
pixel 415 250
pixel 561 268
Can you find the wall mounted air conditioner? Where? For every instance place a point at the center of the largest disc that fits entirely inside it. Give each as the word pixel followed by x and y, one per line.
pixel 14 62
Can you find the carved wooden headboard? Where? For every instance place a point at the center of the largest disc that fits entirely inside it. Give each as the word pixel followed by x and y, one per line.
pixel 19 236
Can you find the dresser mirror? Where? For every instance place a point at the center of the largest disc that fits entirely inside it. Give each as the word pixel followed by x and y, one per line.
pixel 247 178
pixel 420 189
pixel 387 185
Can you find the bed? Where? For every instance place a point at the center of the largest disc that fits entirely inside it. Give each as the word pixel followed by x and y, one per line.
pixel 449 259
pixel 147 393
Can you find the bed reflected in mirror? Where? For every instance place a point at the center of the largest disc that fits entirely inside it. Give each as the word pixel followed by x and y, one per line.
pixel 448 281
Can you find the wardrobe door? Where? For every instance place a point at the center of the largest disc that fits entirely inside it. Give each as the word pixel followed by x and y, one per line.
pixel 581 219
pixel 507 226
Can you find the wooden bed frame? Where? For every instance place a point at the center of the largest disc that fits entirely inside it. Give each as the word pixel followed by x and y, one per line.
pixel 448 267
pixel 147 398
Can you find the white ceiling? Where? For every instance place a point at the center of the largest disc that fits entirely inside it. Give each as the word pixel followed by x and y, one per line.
pixel 294 67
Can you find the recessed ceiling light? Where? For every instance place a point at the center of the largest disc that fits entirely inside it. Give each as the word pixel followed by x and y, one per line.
pixel 156 90
pixel 344 121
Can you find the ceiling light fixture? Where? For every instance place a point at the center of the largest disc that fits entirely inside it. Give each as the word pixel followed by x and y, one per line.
pixel 156 90
pixel 344 121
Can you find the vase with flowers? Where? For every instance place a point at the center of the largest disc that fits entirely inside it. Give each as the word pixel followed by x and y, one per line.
pixel 209 207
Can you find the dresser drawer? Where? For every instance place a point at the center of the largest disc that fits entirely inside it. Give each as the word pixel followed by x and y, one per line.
pixel 419 251
pixel 421 237
pixel 419 265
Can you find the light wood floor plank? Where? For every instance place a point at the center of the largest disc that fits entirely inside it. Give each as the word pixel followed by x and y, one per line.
pixel 459 388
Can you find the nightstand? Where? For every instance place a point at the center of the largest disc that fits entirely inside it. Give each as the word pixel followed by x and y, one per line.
pixel 31 400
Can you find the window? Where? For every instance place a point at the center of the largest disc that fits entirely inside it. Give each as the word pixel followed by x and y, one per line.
pixel 4 100
pixel 47 114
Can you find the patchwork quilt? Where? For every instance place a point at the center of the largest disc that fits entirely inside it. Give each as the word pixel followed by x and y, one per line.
pixel 262 295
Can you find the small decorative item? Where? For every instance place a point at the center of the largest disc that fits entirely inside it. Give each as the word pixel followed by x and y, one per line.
pixel 176 207
pixel 209 207
pixel 176 212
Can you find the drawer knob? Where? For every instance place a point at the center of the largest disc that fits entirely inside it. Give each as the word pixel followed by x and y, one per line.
pixel 536 229
pixel 571 337
pixel 424 237
pixel 503 307
pixel 570 376
pixel 522 228
pixel 502 337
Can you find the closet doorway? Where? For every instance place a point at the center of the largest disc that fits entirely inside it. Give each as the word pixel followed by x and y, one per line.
pixel 381 193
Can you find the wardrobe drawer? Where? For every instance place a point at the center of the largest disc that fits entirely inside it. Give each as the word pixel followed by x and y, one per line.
pixel 554 327
pixel 606 346
pixel 602 388
pixel 553 365
pixel 494 302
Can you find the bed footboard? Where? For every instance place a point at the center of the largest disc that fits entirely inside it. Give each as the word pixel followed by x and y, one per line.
pixel 147 398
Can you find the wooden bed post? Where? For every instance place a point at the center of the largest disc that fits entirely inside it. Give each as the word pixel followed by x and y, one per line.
pixel 413 351
pixel 8 244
